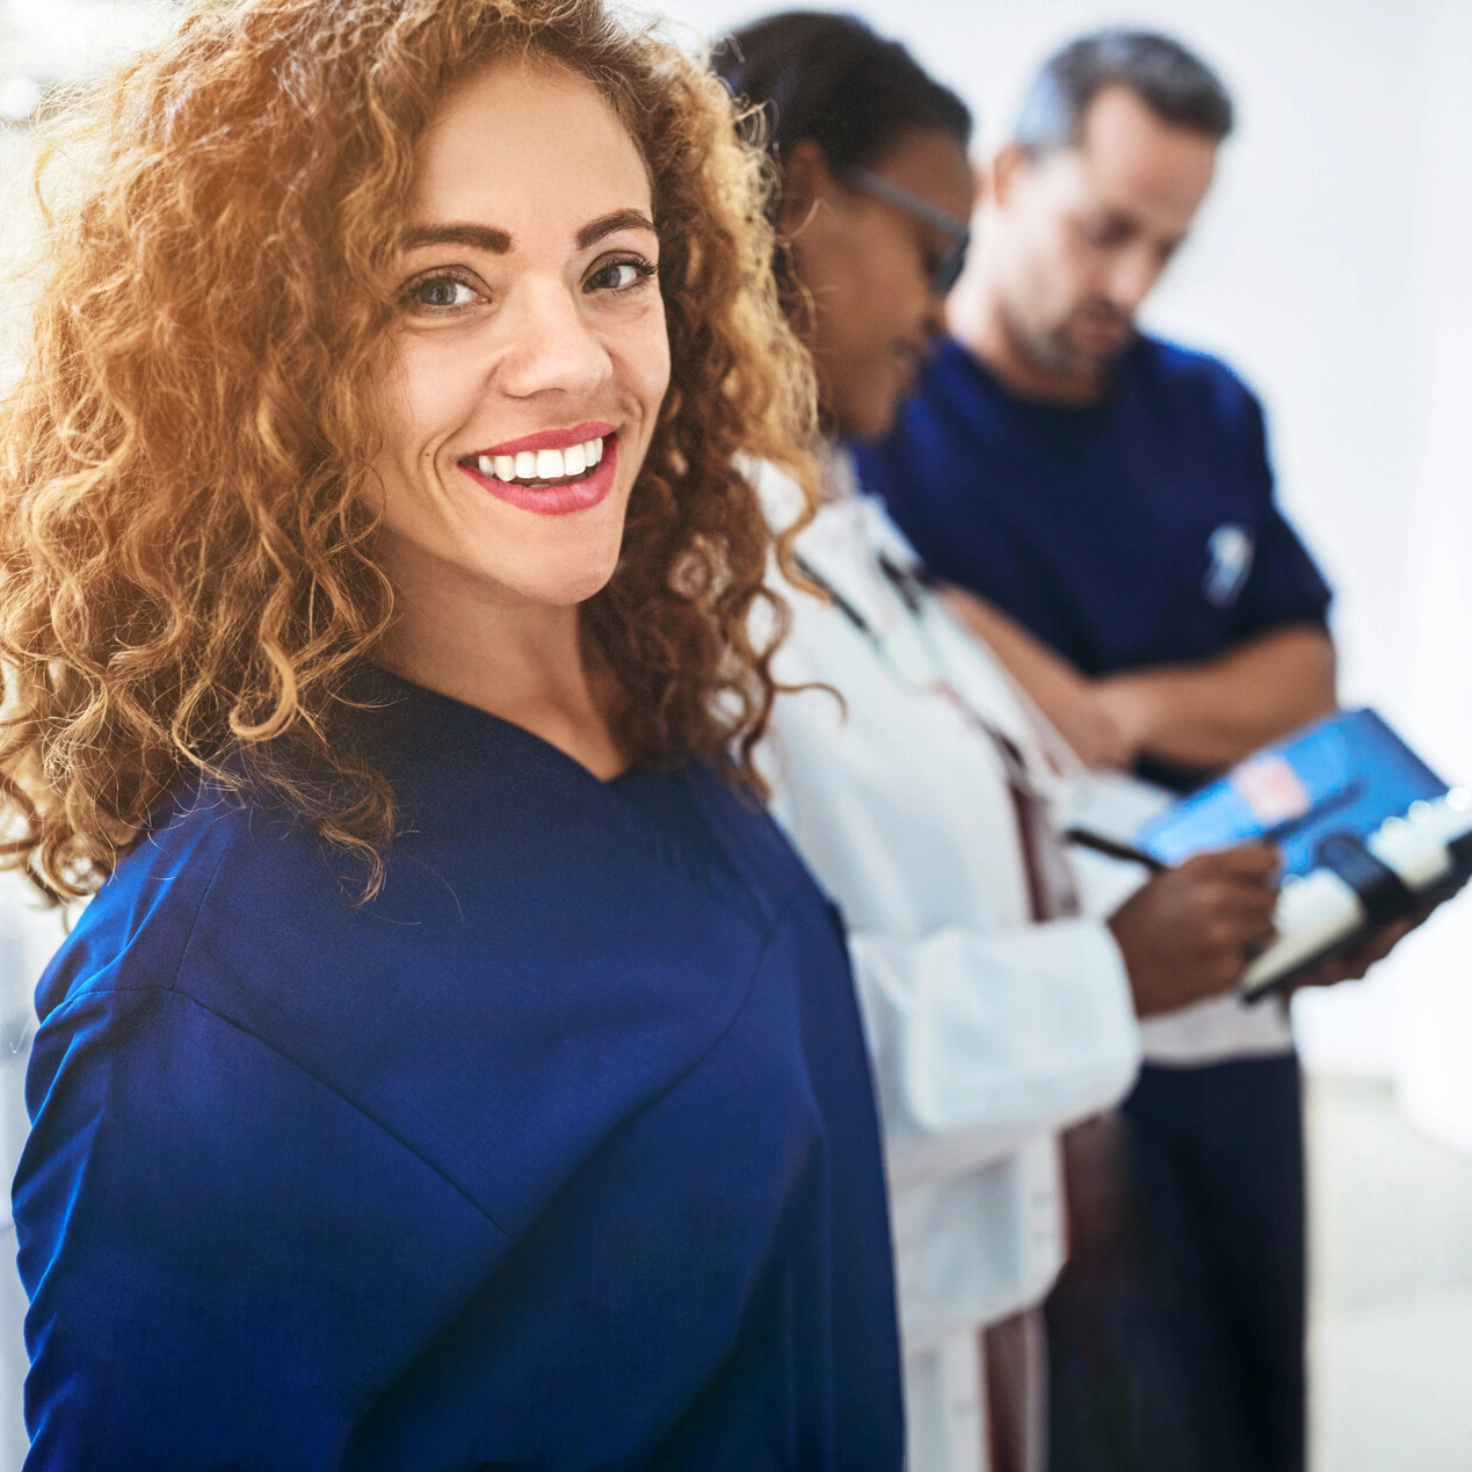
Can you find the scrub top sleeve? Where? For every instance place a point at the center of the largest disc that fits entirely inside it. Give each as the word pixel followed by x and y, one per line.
pixel 1285 586
pixel 982 1043
pixel 226 1260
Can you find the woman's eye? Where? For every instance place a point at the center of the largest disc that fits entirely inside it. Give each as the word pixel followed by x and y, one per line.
pixel 620 275
pixel 438 293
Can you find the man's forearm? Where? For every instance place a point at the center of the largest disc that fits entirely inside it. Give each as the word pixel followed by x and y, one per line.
pixel 1067 698
pixel 1030 661
pixel 1211 714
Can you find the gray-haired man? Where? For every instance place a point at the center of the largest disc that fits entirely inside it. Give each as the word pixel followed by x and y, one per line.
pixel 1110 498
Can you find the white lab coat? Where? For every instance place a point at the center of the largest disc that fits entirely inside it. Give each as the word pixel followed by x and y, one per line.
pixel 988 1033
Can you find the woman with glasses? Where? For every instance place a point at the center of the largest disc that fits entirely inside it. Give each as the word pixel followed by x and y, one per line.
pixel 917 785
pixel 454 1067
pixel 875 203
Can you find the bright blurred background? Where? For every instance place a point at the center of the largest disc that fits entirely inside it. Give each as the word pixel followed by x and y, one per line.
pixel 1332 267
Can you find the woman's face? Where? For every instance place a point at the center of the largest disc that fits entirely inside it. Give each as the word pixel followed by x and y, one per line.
pixel 867 264
pixel 529 354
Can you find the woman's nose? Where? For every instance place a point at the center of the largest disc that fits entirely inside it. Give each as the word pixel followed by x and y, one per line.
pixel 935 315
pixel 550 345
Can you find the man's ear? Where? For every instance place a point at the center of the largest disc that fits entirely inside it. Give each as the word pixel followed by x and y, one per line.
pixel 807 183
pixel 1011 162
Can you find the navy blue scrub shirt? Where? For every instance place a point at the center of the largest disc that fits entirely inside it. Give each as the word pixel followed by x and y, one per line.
pixel 1137 531
pixel 560 1153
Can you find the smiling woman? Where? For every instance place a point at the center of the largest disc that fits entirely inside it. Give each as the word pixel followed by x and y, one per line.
pixel 454 1067
pixel 530 331
pixel 269 275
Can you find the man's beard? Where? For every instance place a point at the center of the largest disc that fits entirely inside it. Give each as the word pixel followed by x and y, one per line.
pixel 1056 350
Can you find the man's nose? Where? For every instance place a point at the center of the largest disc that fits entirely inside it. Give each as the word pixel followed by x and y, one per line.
pixel 552 345
pixel 1133 277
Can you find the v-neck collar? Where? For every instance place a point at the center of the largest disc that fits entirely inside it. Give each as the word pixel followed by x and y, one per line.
pixel 422 739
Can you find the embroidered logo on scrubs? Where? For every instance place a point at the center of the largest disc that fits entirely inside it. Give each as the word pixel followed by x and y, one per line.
pixel 1231 547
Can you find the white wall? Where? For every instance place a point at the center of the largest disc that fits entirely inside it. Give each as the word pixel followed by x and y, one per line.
pixel 1330 266
pixel 1432 1038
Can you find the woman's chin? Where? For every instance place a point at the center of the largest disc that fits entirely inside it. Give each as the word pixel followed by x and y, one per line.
pixel 561 582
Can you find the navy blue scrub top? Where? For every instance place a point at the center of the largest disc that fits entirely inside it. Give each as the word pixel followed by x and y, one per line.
pixel 560 1153
pixel 1137 531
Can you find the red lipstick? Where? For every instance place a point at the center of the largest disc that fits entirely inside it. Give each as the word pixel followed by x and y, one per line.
pixel 552 439
pixel 558 496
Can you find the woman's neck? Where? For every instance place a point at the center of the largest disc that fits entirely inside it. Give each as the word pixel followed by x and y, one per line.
pixel 528 663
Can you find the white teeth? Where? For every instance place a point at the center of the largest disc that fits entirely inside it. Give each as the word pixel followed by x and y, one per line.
pixel 542 464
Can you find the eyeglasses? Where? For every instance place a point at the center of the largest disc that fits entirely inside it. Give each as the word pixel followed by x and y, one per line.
pixel 948 268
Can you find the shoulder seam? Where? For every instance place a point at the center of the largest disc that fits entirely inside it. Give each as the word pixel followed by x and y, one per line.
pixel 762 953
pixel 66 1004
pixel 194 920
pixel 292 1063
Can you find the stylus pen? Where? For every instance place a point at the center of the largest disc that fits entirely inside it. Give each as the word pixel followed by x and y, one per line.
pixel 1113 849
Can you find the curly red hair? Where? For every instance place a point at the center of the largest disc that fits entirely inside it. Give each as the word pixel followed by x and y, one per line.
pixel 187 548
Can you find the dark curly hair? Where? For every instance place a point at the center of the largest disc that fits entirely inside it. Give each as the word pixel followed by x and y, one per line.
pixel 187 572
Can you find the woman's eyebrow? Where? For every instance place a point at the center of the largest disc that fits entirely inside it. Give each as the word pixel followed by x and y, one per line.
pixel 477 237
pixel 595 230
pixel 498 242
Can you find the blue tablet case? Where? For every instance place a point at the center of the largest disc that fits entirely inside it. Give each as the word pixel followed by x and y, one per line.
pixel 1347 773
pixel 1320 795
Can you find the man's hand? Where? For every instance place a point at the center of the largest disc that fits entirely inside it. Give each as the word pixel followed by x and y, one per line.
pixel 1084 721
pixel 1087 724
pixel 1190 933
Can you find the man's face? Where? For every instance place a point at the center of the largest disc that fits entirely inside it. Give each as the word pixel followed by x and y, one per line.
pixel 1081 235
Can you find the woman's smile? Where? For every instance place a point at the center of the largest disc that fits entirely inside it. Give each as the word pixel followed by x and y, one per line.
pixel 555 472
